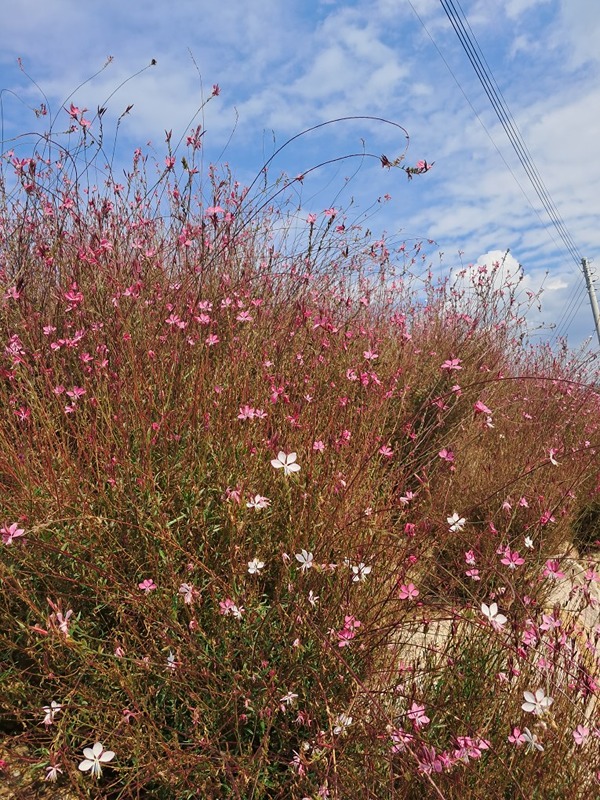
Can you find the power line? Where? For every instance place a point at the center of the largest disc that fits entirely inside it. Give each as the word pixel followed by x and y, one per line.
pixel 481 122
pixel 473 51
pixel 569 313
pixel 471 47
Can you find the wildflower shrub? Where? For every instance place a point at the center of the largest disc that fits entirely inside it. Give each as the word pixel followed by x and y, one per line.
pixel 246 472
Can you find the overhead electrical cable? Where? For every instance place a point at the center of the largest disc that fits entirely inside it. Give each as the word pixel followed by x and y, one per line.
pixel 482 69
pixel 477 59
pixel 473 51
pixel 570 311
pixel 488 134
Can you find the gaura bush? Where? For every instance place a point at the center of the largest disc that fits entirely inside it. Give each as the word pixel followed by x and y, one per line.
pixel 275 523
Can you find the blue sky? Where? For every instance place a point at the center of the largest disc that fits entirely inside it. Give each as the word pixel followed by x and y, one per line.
pixel 286 66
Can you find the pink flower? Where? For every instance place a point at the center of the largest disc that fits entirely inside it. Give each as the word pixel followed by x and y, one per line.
pixel 235 494
pixel 418 716
pixel 345 636
pixel 549 623
pixel 580 734
pixel 481 408
pixel 348 632
pixel 311 219
pixel 74 295
pixel 175 319
pixel 446 455
pixel 246 412
pixel 10 533
pixel 351 622
pixel 318 446
pixel 552 570
pixel 400 739
pixel 229 608
pixel 516 737
pixel 76 392
pixel 408 592
pixel 452 363
pixel 23 413
pixel 591 575
pixel 147 586
pixel 469 748
pixel 512 560
pixel 429 761
pixel 52 771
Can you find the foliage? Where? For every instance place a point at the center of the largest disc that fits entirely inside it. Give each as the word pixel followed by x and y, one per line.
pixel 257 485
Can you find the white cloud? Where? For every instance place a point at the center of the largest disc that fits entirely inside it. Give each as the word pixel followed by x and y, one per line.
pixel 516 8
pixel 580 21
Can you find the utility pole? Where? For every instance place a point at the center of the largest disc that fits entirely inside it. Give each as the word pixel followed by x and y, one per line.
pixel 592 294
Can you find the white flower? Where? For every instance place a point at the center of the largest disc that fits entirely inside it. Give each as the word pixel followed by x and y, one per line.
pixel 94 757
pixel 340 723
pixel 188 592
pixel 255 566
pixel 536 703
pixel 528 542
pixel 553 461
pixel 531 740
pixel 313 598
pixel 491 612
pixel 258 501
pixel 289 698
pixel 171 661
pixel 306 559
pixel 456 523
pixel 286 462
pixel 360 572
pixel 51 711
pixel 52 771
